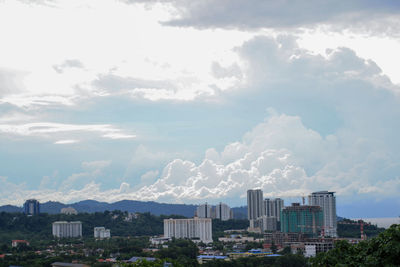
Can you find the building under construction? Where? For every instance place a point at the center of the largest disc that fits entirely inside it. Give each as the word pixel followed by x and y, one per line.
pixel 305 219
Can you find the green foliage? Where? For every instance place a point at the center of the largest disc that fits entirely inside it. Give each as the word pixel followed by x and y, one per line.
pixel 282 261
pixel 353 230
pixel 383 250
pixel 184 251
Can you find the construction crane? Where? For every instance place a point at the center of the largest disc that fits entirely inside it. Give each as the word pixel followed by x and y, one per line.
pixel 363 236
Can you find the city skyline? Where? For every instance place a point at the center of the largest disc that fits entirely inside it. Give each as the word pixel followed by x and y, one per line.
pixel 177 103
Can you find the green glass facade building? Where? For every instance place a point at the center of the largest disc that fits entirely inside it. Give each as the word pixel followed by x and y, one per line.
pixel 308 220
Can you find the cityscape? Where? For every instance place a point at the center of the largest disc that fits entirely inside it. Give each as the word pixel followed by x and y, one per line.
pixel 199 133
pixel 269 232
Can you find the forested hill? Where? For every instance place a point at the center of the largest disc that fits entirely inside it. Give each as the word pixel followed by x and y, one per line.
pixel 154 208
pixel 91 206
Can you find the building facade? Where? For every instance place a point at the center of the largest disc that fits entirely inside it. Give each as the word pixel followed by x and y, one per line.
pixel 327 201
pixel 204 211
pixel 273 207
pixel 223 212
pixel 63 229
pixel 305 219
pixel 69 211
pixel 195 228
pixel 266 223
pixel 255 205
pixel 31 207
pixel 101 232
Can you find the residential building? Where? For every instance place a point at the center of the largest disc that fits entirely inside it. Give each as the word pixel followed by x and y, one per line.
pixel 194 228
pixel 223 212
pixel 69 211
pixel 31 207
pixel 16 243
pixel 101 232
pixel 320 245
pixel 255 205
pixel 204 211
pixel 302 219
pixel 279 238
pixel 66 264
pixel 273 208
pixel 266 223
pixel 327 201
pixel 63 229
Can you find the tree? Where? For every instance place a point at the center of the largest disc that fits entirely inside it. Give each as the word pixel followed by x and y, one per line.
pixel 383 250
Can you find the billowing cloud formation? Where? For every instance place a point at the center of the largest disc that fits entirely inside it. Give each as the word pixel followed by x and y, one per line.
pixel 284 158
pixel 368 15
pixel 280 155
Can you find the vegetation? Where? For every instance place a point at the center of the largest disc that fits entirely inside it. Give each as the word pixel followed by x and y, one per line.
pixel 383 250
pixel 37 228
pixel 282 261
pixel 352 229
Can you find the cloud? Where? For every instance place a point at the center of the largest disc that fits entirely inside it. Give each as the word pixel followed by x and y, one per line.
pixel 69 63
pixel 370 16
pixel 67 141
pixel 50 129
pixel 149 176
pixel 10 82
pixel 93 170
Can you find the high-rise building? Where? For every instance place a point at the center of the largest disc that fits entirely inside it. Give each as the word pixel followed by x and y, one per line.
pixel 101 232
pixel 223 212
pixel 67 229
pixel 200 228
pixel 266 223
pixel 31 207
pixel 204 211
pixel 308 220
pixel 327 201
pixel 273 208
pixel 255 204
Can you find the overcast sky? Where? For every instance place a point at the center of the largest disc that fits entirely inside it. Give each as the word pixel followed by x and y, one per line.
pixel 191 101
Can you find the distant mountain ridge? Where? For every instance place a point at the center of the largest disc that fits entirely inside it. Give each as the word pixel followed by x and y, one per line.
pixel 90 206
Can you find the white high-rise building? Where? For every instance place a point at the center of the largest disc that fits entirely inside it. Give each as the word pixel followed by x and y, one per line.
pixel 204 211
pixel 189 228
pixel 327 201
pixel 255 204
pixel 273 208
pixel 101 232
pixel 223 212
pixel 67 229
pixel 266 223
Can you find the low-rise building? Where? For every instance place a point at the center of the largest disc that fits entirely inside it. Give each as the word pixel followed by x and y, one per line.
pixel 16 243
pixel 69 211
pixel 159 240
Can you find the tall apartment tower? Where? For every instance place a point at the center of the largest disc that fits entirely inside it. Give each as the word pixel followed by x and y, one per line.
pixel 255 205
pixel 223 212
pixel 327 201
pixel 64 229
pixel 204 211
pixel 273 208
pixel 31 207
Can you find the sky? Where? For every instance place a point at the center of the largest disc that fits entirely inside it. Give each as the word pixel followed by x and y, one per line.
pixel 190 101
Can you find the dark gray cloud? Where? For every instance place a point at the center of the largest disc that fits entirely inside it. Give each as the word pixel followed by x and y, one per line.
pixel 281 13
pixel 69 63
